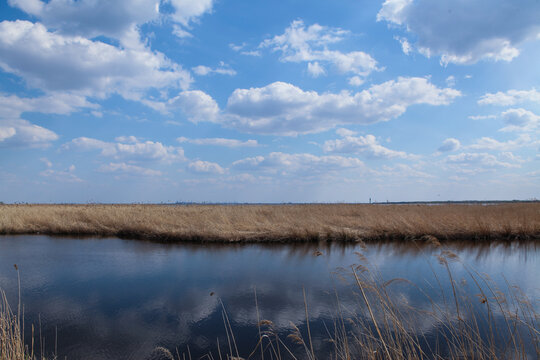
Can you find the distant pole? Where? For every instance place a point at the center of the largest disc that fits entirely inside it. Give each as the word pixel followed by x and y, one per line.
pixel 370 200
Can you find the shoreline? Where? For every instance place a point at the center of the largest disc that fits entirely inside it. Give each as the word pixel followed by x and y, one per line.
pixel 288 223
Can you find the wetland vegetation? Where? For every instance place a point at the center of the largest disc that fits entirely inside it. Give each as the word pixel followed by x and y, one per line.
pixel 278 223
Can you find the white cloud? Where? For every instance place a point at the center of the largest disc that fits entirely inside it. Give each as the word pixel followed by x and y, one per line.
pixel 92 18
pixel 236 47
pixel 450 144
pixel 510 97
pixel 54 62
pixel 284 109
pixel 345 132
pixel 127 139
pixel 451 81
pixel 181 33
pixel 59 175
pixel 62 176
pixel 310 44
pixel 393 11
pixel 520 120
pixel 356 81
pixel 186 11
pixel 482 117
pixel 137 151
pixel 240 48
pixel 7 132
pixel 222 69
pixel 366 145
pixel 196 105
pixel 508 156
pixel 406 46
pixel 12 106
pixel 463 32
pixel 477 161
pixel 124 168
pixel 516 119
pixel 232 143
pixel 206 167
pixel 255 53
pixel 21 133
pixel 487 143
pixel 117 19
pixel 315 69
pixel 301 164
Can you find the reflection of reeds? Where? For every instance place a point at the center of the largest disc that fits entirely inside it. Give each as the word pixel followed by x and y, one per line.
pixel 302 223
pixel 486 323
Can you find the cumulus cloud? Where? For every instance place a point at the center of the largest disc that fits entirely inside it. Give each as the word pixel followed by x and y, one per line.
pixel 7 132
pixel 462 31
pixel 284 109
pixel 315 69
pixel 196 105
pixel 520 120
pixel 222 69
pixel 117 19
pixel 515 119
pixel 232 143
pixel 356 81
pixel 54 62
pixel 92 18
pixel 22 133
pixel 310 44
pixel 303 164
pixel 206 167
pixel 510 97
pixel 365 145
pixel 450 144
pixel 186 11
pixel 136 151
pixel 123 168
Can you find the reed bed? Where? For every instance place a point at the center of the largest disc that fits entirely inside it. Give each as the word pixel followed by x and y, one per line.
pixel 278 223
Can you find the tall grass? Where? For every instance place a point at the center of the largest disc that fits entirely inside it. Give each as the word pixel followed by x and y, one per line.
pixel 12 342
pixel 277 223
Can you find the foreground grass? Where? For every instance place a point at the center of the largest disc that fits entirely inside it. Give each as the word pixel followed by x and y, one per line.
pixel 277 223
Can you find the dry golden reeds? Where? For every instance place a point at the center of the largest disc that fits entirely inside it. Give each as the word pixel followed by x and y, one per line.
pixel 278 223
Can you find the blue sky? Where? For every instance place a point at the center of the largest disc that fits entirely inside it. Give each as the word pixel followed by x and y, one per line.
pixel 264 101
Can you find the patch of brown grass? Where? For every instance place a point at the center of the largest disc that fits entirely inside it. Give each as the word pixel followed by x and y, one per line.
pixel 278 223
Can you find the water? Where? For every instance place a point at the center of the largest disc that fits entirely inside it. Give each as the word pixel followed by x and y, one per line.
pixel 120 299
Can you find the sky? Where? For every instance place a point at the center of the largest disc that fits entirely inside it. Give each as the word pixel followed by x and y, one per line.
pixel 264 101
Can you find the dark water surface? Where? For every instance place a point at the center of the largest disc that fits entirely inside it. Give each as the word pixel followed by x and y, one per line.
pixel 120 299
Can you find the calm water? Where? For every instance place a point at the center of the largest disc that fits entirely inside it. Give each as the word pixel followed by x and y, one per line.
pixel 120 299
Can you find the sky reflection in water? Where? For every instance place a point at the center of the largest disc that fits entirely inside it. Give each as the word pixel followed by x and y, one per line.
pixel 119 299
